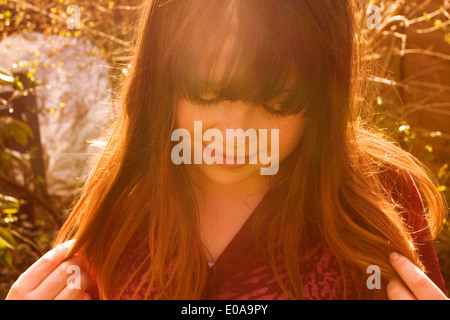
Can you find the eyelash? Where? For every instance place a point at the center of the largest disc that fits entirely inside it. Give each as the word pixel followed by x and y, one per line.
pixel 276 113
pixel 203 102
pixel 271 111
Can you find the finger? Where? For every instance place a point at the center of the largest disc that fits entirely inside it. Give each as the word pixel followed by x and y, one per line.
pixel 397 291
pixel 74 287
pixel 417 281
pixel 35 274
pixel 58 279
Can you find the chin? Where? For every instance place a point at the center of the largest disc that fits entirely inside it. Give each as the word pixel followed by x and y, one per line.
pixel 226 177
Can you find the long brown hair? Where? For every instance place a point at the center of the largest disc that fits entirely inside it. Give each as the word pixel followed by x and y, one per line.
pixel 339 185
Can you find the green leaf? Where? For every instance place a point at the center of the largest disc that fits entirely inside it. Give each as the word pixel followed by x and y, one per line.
pixel 19 84
pixel 9 205
pixel 10 210
pixel 6 257
pixel 21 132
pixel 6 240
pixel 6 77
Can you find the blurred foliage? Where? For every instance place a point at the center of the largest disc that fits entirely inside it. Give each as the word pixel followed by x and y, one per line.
pixel 9 206
pixel 25 232
pixel 23 237
pixel 413 32
pixel 110 25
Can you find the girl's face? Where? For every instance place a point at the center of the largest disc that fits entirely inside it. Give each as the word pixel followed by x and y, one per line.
pixel 235 115
pixel 226 114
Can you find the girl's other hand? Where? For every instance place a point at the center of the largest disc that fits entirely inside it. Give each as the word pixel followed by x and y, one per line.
pixel 420 287
pixel 52 278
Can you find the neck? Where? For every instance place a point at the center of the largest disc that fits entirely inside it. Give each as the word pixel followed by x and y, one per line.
pixel 223 209
pixel 235 198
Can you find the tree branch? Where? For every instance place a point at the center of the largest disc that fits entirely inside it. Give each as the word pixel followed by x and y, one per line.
pixel 43 203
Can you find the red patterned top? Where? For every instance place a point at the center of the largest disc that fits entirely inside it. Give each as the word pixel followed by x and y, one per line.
pixel 240 273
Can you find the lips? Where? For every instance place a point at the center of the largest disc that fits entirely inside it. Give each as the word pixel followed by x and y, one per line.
pixel 227 160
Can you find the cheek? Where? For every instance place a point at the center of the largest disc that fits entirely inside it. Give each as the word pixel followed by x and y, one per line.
pixel 291 132
pixel 186 113
pixel 183 115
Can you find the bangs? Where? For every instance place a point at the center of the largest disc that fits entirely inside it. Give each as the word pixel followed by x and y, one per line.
pixel 243 50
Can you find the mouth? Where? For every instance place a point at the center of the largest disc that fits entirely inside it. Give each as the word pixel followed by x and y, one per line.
pixel 229 162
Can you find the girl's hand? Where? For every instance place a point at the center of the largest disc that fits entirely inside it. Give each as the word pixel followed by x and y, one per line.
pixel 420 286
pixel 48 278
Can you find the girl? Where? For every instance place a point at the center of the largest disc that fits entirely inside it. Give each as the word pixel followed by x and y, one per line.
pixel 343 203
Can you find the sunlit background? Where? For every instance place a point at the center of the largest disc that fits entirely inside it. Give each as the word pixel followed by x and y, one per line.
pixel 59 71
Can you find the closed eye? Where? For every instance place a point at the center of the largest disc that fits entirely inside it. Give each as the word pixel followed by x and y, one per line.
pixel 204 102
pixel 206 98
pixel 276 111
pixel 210 99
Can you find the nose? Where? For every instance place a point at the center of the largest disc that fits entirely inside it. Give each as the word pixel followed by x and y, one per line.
pixel 236 117
pixel 232 115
